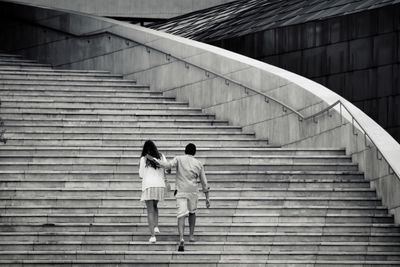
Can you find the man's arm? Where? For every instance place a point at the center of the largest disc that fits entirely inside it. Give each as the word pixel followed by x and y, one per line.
pixel 204 185
pixel 165 164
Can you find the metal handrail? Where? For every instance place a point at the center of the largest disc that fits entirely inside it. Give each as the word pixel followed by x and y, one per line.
pixel 285 107
pixel 366 135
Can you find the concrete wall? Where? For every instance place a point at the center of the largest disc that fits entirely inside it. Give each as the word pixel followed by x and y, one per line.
pixel 154 9
pixel 178 67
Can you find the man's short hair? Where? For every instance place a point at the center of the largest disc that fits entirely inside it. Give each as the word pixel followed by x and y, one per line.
pixel 190 149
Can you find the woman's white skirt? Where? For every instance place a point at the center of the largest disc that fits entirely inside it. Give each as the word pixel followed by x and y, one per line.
pixel 153 193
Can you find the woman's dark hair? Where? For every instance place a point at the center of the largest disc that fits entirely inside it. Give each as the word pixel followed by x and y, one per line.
pixel 190 149
pixel 149 148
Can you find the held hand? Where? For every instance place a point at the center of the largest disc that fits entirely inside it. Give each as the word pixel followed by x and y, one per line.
pixel 149 157
pixel 208 203
pixel 168 186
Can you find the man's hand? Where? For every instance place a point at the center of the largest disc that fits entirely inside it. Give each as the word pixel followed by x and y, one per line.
pixel 208 203
pixel 149 157
pixel 168 186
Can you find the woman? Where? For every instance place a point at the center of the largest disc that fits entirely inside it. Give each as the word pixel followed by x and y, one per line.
pixel 153 185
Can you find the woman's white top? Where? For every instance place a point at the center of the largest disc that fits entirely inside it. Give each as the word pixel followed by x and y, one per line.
pixel 151 177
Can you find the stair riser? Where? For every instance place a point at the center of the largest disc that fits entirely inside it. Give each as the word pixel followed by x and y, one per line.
pixel 172 236
pixel 12 60
pixel 123 159
pixel 238 176
pixel 106 117
pixel 52 75
pixel 22 66
pixel 198 263
pixel 164 210
pixel 121 86
pixel 210 220
pixel 132 136
pixel 58 71
pixel 215 184
pixel 198 247
pixel 128 143
pixel 125 123
pixel 201 151
pixel 10 57
pixel 55 81
pixel 171 229
pixel 132 94
pixel 137 193
pixel 130 130
pixel 121 167
pixel 69 97
pixel 171 202
pixel 103 112
pixel 118 105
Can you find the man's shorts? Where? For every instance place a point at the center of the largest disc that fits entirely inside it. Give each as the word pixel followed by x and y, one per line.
pixel 186 203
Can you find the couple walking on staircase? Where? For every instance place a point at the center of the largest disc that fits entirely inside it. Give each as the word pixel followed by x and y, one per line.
pixel 189 171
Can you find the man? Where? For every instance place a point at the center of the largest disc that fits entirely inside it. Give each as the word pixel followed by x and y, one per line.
pixel 188 171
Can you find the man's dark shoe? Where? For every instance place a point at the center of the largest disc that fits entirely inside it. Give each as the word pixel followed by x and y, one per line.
pixel 181 247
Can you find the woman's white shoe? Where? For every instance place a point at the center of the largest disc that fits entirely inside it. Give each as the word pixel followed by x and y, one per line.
pixel 153 239
pixel 156 230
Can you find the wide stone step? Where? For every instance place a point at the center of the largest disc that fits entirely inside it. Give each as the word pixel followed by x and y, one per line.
pixel 208 165
pixel 106 115
pixel 127 158
pixel 82 104
pixel 115 135
pixel 169 201
pixel 215 211
pixel 58 71
pixel 228 192
pixel 230 238
pixel 202 263
pixel 284 177
pixel 113 128
pixel 71 181
pixel 13 59
pixel 9 56
pixel 227 229
pixel 133 91
pixel 359 248
pixel 23 65
pixel 55 80
pixel 123 110
pixel 18 74
pixel 181 142
pixel 90 97
pixel 204 218
pixel 125 121
pixel 72 87
pixel 201 151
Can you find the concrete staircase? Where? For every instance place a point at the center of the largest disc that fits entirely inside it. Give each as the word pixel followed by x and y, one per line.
pixel 69 186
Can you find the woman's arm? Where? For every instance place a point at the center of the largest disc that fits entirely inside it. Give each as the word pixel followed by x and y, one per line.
pixel 142 166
